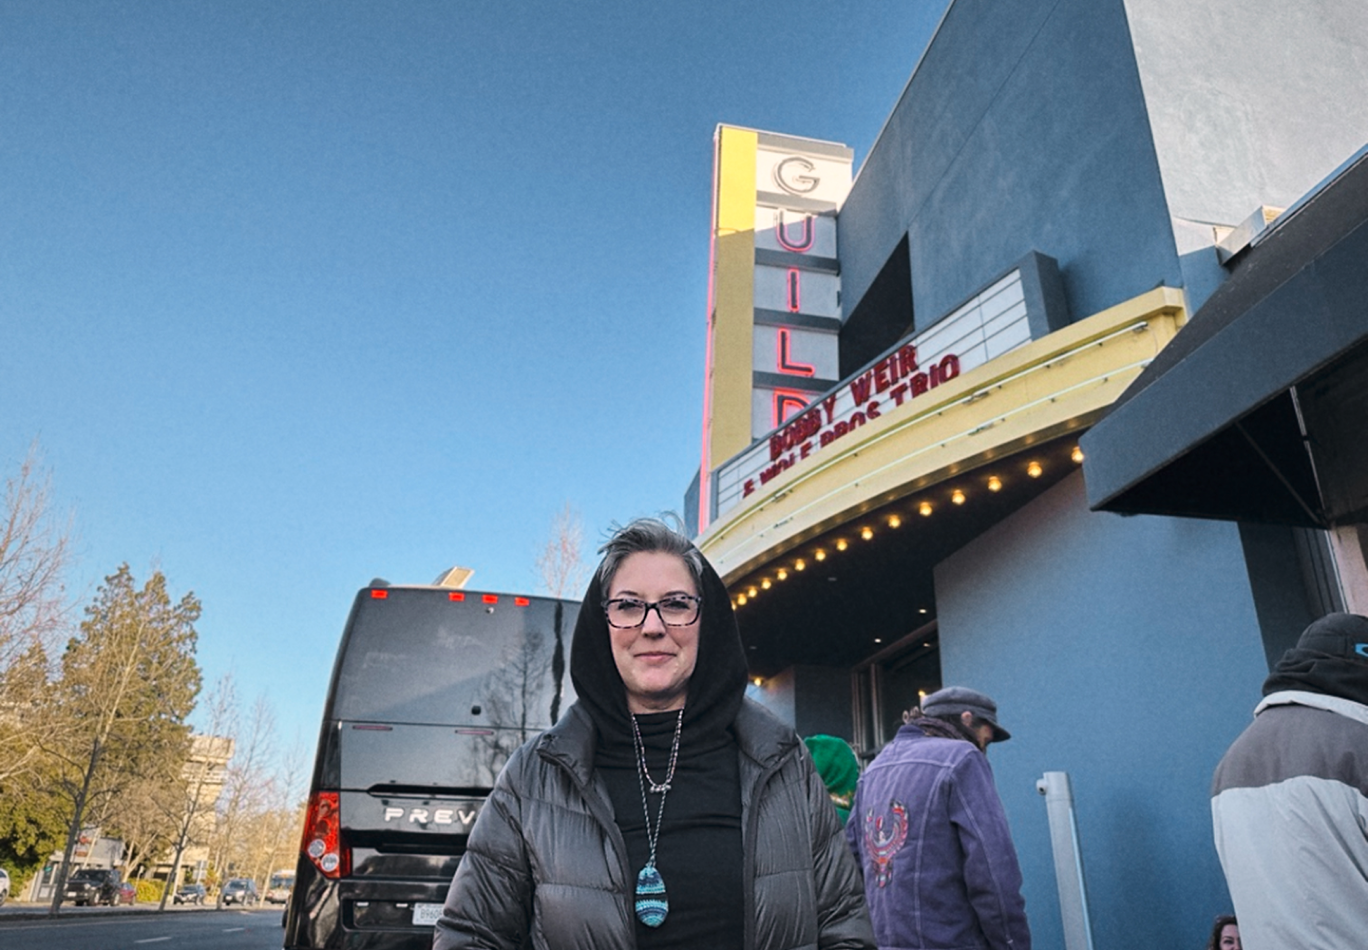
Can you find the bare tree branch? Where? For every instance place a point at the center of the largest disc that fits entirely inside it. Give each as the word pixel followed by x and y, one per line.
pixel 34 553
pixel 562 572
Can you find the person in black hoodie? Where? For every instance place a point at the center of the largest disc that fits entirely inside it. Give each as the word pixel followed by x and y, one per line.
pixel 664 810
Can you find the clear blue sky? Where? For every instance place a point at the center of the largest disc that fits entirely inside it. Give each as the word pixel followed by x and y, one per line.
pixel 297 294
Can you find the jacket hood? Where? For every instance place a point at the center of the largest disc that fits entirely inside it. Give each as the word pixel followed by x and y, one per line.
pixel 716 688
pixel 1331 658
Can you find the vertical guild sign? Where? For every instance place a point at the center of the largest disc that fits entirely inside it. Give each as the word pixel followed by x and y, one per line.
pixel 796 303
pixel 774 307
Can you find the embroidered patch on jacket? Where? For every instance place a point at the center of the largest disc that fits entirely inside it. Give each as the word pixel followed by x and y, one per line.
pixel 883 838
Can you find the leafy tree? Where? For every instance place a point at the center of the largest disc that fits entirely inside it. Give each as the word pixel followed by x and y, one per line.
pixel 31 820
pixel 128 681
pixel 32 826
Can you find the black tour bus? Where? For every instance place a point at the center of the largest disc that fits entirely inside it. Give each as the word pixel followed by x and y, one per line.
pixel 432 690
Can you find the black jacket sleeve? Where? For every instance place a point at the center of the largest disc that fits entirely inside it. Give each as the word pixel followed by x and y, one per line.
pixel 489 904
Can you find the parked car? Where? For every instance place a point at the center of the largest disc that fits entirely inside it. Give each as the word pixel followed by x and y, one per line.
pixel 4 886
pixel 128 893
pixel 240 890
pixel 189 894
pixel 94 886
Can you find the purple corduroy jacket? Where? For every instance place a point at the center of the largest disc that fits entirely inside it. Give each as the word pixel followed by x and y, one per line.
pixel 929 831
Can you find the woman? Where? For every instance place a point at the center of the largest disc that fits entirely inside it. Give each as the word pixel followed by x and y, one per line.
pixel 1225 934
pixel 664 810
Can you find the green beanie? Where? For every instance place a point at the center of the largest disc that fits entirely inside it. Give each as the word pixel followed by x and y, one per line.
pixel 838 767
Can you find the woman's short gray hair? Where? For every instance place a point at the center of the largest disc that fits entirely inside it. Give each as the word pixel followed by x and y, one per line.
pixel 647 534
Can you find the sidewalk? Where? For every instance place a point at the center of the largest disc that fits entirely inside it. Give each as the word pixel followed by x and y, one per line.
pixel 27 910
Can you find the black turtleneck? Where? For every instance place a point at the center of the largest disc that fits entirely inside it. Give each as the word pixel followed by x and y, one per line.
pixel 699 852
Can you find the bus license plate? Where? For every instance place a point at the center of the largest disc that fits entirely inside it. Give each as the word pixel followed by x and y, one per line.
pixel 425 915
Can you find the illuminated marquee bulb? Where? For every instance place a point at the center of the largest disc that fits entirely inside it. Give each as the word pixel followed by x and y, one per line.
pixel 740 600
pixel 866 533
pixel 841 544
pixel 1034 470
pixel 957 497
pixel 799 565
pixel 821 554
pixel 752 592
pixel 994 484
pixel 894 521
pixel 782 574
pixel 758 681
pixel 924 509
pixel 765 583
pixel 1076 454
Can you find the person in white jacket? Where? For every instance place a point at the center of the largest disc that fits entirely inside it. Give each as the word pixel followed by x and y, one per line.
pixel 1289 801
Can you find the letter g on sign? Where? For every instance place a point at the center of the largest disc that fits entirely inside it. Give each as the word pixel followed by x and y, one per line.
pixel 795 175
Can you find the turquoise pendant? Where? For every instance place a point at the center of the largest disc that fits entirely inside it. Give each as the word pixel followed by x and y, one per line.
pixel 651 905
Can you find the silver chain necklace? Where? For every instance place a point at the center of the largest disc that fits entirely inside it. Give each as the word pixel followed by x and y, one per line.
pixel 651 904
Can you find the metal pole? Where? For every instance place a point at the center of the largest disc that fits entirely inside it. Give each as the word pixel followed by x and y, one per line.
pixel 1068 860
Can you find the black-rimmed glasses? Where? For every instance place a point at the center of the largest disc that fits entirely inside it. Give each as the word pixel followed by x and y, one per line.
pixel 677 610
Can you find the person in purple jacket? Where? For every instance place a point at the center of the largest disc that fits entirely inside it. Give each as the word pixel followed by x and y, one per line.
pixel 929 831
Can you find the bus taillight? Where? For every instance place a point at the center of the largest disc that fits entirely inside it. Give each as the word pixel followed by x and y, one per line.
pixel 322 840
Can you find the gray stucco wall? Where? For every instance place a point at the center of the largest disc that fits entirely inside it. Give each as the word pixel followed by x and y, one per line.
pixel 1126 652
pixel 1023 128
pixel 1251 103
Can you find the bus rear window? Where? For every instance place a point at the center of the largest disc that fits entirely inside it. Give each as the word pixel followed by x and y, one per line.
pixel 418 656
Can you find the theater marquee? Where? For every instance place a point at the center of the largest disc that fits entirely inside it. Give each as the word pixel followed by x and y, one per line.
pixel 993 322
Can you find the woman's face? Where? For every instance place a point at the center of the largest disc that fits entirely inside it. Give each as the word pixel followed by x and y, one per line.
pixel 654 660
pixel 1230 937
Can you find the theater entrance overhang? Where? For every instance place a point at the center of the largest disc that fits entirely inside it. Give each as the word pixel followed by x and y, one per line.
pixel 1256 412
pixel 833 559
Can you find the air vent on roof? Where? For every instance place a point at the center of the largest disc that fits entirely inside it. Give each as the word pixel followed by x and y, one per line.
pixel 455 578
pixel 1236 239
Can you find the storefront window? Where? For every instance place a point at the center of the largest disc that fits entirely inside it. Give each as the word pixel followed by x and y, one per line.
pixel 892 683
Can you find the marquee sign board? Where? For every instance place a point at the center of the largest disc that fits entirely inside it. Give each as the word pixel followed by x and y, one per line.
pixel 993 322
